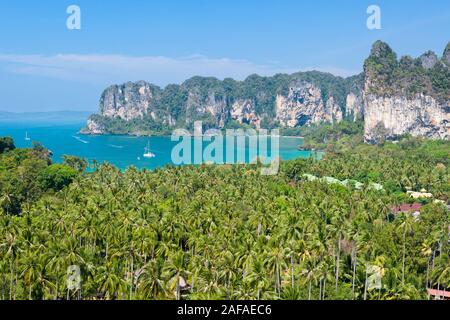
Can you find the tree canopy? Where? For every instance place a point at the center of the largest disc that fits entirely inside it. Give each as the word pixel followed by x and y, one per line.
pixel 227 232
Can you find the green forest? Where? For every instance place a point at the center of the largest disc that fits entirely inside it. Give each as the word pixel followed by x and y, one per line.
pixel 225 231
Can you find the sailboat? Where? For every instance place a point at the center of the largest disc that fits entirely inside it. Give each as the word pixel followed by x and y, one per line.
pixel 147 153
pixel 27 138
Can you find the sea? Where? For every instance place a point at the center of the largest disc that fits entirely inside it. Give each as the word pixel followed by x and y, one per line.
pixel 120 150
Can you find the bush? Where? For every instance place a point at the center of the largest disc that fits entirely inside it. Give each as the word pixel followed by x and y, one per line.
pixel 6 144
pixel 57 176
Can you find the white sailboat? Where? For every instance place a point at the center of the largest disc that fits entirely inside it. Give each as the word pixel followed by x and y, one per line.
pixel 27 138
pixel 147 153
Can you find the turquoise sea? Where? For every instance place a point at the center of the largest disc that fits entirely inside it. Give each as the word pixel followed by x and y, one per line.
pixel 121 151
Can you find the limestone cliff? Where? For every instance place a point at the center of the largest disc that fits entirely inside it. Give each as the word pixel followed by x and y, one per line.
pixel 304 105
pixel 280 101
pixel 127 101
pixel 407 96
pixel 243 112
pixel 390 117
pixel 354 106
pixel 393 97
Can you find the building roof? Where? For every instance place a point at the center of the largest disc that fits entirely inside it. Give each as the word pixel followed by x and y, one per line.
pixel 376 186
pixel 358 185
pixel 418 195
pixel 406 207
pixel 331 180
pixel 438 293
pixel 310 177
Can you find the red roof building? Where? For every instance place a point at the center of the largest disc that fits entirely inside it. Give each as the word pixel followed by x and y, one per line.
pixel 439 294
pixel 407 208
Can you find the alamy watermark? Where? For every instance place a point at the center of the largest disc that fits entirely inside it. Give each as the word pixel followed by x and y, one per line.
pixel 73 278
pixel 234 147
pixel 374 19
pixel 73 22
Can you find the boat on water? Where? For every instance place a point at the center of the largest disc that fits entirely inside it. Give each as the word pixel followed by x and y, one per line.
pixel 147 153
pixel 27 138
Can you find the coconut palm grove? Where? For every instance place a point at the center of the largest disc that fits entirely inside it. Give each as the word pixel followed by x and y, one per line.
pixel 338 227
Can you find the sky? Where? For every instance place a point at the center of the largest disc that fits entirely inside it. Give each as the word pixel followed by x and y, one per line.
pixel 44 66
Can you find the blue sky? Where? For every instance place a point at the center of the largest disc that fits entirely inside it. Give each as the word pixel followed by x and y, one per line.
pixel 45 67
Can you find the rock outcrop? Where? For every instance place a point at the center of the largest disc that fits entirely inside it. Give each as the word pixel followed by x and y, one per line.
pixel 211 106
pixel 391 117
pixel 446 56
pixel 354 107
pixel 393 97
pixel 283 100
pixel 304 105
pixel 405 97
pixel 244 112
pixel 429 60
pixel 127 101
pixel 92 127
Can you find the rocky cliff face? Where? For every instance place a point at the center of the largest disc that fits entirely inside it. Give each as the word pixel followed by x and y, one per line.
pixel 428 60
pixel 446 56
pixel 406 96
pixel 93 127
pixel 394 97
pixel 354 107
pixel 390 117
pixel 304 105
pixel 212 106
pixel 127 101
pixel 281 101
pixel 243 112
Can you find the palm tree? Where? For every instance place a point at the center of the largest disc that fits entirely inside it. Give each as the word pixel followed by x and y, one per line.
pixel 406 223
pixel 151 286
pixel 257 277
pixel 175 270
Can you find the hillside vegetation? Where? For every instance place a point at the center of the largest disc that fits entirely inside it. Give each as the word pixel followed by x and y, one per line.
pixel 426 74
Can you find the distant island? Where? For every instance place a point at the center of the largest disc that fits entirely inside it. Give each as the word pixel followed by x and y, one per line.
pixel 392 96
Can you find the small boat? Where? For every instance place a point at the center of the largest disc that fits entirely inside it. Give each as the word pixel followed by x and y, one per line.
pixel 81 140
pixel 147 153
pixel 27 138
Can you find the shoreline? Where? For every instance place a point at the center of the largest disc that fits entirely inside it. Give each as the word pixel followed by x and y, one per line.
pixel 167 136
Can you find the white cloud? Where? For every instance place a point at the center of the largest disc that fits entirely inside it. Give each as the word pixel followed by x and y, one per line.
pixel 108 69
